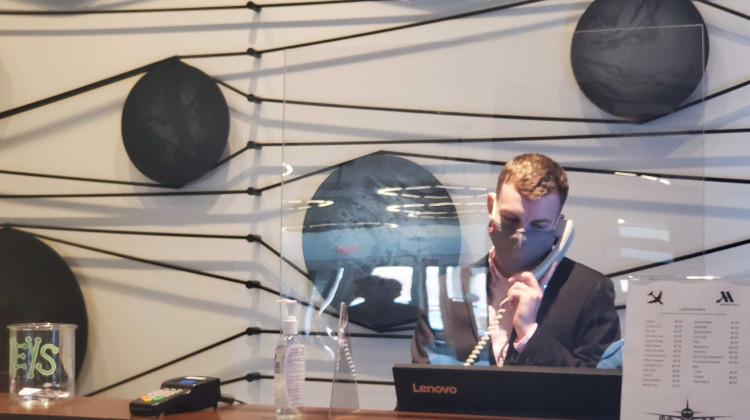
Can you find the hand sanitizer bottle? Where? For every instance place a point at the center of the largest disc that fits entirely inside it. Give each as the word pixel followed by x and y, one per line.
pixel 289 368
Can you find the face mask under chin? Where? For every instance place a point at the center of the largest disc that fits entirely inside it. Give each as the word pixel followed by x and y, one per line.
pixel 518 251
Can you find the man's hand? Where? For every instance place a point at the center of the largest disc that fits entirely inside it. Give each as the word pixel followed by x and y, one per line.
pixel 525 297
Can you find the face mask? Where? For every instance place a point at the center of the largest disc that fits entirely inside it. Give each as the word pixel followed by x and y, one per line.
pixel 517 250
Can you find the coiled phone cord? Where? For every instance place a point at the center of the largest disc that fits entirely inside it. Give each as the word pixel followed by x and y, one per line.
pixel 483 341
pixel 349 359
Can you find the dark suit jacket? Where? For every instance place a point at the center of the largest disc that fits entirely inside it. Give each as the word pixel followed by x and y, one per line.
pixel 577 321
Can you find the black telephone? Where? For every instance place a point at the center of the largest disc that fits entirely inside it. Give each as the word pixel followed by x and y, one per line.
pixel 179 395
pixel 564 233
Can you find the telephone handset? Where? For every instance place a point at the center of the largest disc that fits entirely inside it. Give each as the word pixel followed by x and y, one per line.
pixel 565 233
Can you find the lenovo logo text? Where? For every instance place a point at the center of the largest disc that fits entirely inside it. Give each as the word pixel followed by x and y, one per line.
pixel 433 389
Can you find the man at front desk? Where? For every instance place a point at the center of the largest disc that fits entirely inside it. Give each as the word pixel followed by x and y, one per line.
pixel 564 318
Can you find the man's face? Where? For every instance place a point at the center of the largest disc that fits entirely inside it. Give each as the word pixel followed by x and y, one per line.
pixel 510 209
pixel 515 251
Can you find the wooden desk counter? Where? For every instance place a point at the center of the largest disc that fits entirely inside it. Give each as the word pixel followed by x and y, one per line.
pixel 108 408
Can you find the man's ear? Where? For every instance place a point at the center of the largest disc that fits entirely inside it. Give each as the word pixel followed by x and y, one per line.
pixel 491 202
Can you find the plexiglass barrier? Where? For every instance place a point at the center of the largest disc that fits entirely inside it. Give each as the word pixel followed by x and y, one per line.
pixel 390 152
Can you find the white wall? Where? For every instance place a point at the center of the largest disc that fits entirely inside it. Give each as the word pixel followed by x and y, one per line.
pixel 513 61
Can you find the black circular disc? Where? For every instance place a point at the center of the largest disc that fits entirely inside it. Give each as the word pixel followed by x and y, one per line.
pixel 639 59
pixel 36 285
pixel 175 124
pixel 373 212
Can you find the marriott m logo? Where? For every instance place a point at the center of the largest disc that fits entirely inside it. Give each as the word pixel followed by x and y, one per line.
pixel 726 297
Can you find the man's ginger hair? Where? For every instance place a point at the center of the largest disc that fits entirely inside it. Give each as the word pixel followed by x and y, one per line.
pixel 534 175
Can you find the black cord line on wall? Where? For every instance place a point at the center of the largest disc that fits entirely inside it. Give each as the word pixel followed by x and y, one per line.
pixel 258 53
pixel 253 376
pixel 249 238
pixel 77 178
pixel 256 330
pixel 83 89
pixel 635 174
pixel 249 6
pixel 258 145
pixel 511 139
pixel 681 258
pixel 249 191
pixel 250 284
pixel 256 238
pixel 258 99
pixel 250 52
pixel 169 363
pixel 248 332
pixel 119 11
pixel 723 8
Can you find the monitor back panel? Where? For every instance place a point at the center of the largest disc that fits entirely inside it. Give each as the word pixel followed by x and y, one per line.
pixel 550 392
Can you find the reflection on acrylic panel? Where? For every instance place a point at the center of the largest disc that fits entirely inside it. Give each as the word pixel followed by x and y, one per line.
pixel 175 124
pixel 639 59
pixel 36 285
pixel 384 220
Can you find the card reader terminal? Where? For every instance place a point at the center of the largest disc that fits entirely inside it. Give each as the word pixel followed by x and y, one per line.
pixel 179 395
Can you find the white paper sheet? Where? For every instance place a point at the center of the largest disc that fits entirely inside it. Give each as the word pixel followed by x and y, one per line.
pixel 685 354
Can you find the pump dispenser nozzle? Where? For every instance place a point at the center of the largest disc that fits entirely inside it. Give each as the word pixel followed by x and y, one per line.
pixel 290 321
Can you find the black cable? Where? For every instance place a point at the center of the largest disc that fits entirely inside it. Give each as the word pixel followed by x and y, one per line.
pixel 75 178
pixel 512 139
pixel 350 381
pixel 250 191
pixel 127 232
pixel 309 174
pixel 258 145
pixel 258 53
pixel 723 8
pixel 250 6
pixel 582 170
pixel 250 145
pixel 249 238
pixel 83 89
pixel 254 376
pixel 362 335
pixel 283 258
pixel 259 99
pixel 228 86
pixel 400 27
pixel 250 377
pixel 248 283
pixel 707 98
pixel 680 258
pixel 312 3
pixel 169 363
pixel 258 330
pixel 438 112
pixel 116 11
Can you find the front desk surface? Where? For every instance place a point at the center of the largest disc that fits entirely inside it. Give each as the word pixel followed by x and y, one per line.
pixel 108 408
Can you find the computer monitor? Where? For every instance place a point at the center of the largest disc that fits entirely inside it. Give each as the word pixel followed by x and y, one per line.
pixel 550 392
